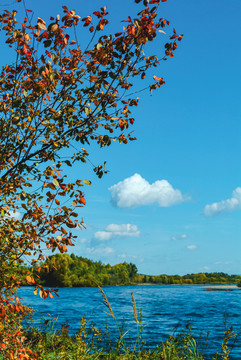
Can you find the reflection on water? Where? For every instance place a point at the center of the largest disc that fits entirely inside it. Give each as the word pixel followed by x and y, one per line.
pixel 164 307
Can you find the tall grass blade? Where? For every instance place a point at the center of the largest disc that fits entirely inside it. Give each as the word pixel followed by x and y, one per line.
pixel 134 308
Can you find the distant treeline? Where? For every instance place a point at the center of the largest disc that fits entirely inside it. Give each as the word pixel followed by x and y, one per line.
pixel 200 278
pixel 63 270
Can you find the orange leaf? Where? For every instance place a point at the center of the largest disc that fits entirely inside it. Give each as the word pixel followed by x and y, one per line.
pixel 64 248
pixel 82 201
pixel 157 78
pixel 28 279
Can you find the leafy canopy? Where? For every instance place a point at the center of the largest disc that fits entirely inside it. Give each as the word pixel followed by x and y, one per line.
pixel 55 99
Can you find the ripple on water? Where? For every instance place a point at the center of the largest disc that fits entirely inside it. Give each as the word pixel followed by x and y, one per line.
pixel 163 307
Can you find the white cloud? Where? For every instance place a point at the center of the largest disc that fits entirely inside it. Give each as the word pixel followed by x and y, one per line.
pixel 179 237
pixel 191 247
pixel 103 235
pixel 100 251
pixel 125 256
pixel 206 268
pixel 83 240
pixel 234 203
pixel 223 263
pixel 15 215
pixel 136 191
pixel 115 230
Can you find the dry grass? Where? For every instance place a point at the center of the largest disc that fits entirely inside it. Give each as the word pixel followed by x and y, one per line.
pixel 107 304
pixel 134 308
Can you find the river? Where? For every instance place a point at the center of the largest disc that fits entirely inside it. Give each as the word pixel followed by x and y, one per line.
pixel 164 308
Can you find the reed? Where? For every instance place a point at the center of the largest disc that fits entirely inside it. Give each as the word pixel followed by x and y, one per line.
pixel 106 302
pixel 134 308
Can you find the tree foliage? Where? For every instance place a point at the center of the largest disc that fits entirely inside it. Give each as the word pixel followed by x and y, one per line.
pixel 57 98
pixel 189 279
pixel 63 270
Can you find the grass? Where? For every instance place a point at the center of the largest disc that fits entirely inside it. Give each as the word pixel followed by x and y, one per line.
pixel 84 345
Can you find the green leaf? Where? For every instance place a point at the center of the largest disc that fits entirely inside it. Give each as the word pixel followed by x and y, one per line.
pixel 2 213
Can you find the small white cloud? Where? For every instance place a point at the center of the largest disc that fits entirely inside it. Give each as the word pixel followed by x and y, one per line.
pixel 179 237
pixel 122 256
pixel 115 230
pixel 232 204
pixel 223 263
pixel 136 191
pixel 83 240
pixel 15 215
pixel 130 257
pixel 206 268
pixel 100 251
pixel 191 247
pixel 102 235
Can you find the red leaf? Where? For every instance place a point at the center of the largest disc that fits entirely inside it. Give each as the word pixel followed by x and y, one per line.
pixel 29 10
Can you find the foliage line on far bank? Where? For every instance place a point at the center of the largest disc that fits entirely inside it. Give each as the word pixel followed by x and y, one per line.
pixel 63 270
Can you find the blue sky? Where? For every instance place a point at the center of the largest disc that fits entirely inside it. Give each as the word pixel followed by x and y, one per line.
pixel 171 202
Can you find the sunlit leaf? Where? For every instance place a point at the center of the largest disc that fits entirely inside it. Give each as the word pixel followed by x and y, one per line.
pixel 87 182
pixel 55 182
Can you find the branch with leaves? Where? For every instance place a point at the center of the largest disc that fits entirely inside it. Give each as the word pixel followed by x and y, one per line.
pixel 55 99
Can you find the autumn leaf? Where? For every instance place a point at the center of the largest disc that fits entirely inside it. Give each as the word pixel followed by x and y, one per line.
pixel 157 78
pixel 55 182
pixel 87 182
pixel 82 201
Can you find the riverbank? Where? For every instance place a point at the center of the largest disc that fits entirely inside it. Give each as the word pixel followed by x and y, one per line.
pixel 63 270
pixel 91 345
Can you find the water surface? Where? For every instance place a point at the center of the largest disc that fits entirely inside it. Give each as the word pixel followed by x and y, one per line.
pixel 164 308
